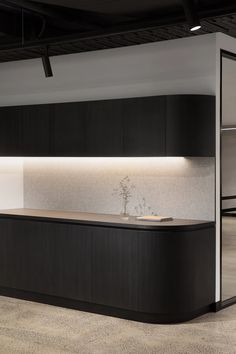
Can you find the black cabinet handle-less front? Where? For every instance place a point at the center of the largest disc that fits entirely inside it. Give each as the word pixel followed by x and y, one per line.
pixel 159 274
pixel 177 125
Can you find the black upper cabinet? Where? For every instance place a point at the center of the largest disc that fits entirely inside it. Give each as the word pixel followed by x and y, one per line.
pixel 144 126
pixel 104 131
pixel 10 131
pixel 178 125
pixel 190 125
pixel 36 130
pixel 68 137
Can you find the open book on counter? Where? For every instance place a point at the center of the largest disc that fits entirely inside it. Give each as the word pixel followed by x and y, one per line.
pixel 154 218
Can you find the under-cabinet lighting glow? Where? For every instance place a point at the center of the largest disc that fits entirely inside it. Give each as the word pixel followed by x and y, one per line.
pixel 10 159
pixel 163 166
pixel 142 166
pixel 94 159
pixel 107 160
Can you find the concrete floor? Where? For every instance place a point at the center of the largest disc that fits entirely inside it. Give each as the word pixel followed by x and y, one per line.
pixel 30 328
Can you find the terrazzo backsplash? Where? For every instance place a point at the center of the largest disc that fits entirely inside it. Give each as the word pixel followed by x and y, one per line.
pixel 174 186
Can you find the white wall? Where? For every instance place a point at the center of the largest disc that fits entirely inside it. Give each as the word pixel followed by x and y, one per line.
pixel 11 183
pixel 178 66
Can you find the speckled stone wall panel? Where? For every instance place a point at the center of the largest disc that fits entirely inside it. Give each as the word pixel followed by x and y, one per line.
pixel 179 187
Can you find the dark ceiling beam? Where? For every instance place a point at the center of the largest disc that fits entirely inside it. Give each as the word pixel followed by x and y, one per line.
pixel 11 24
pixel 87 35
pixel 66 18
pixel 56 16
pixel 205 11
pixel 225 8
pixel 96 17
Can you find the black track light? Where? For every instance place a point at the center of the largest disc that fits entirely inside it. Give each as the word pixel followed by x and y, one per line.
pixel 191 15
pixel 46 64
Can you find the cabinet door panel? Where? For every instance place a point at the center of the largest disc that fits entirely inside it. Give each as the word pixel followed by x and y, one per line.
pixel 114 267
pixel 69 129
pixel 10 131
pixel 36 130
pixel 104 129
pixel 47 258
pixel 144 126
pixel 190 125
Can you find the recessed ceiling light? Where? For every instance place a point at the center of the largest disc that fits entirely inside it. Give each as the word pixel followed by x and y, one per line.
pixel 195 28
pixel 191 15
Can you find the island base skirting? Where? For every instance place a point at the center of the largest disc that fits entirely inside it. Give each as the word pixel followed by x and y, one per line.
pixel 158 318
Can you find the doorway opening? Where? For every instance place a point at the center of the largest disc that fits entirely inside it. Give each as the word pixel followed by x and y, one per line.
pixel 228 178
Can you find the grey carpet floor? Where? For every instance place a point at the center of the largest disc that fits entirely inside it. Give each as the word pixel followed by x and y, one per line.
pixel 30 328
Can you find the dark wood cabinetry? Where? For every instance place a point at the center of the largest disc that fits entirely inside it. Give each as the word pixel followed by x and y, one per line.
pixel 10 125
pixel 35 256
pixel 178 125
pixel 69 129
pixel 104 128
pixel 165 274
pixel 144 126
pixel 190 125
pixel 36 130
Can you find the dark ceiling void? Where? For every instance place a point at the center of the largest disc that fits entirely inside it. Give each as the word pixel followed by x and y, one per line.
pixel 27 27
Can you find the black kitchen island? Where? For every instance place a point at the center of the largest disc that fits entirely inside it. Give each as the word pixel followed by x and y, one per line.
pixel 159 272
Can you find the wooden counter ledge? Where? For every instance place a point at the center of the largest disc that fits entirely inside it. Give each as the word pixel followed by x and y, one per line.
pixel 103 219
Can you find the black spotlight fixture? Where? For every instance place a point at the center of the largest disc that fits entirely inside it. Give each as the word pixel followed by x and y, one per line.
pixel 191 15
pixel 46 64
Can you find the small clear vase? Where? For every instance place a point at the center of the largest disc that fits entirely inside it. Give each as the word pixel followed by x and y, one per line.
pixel 124 214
